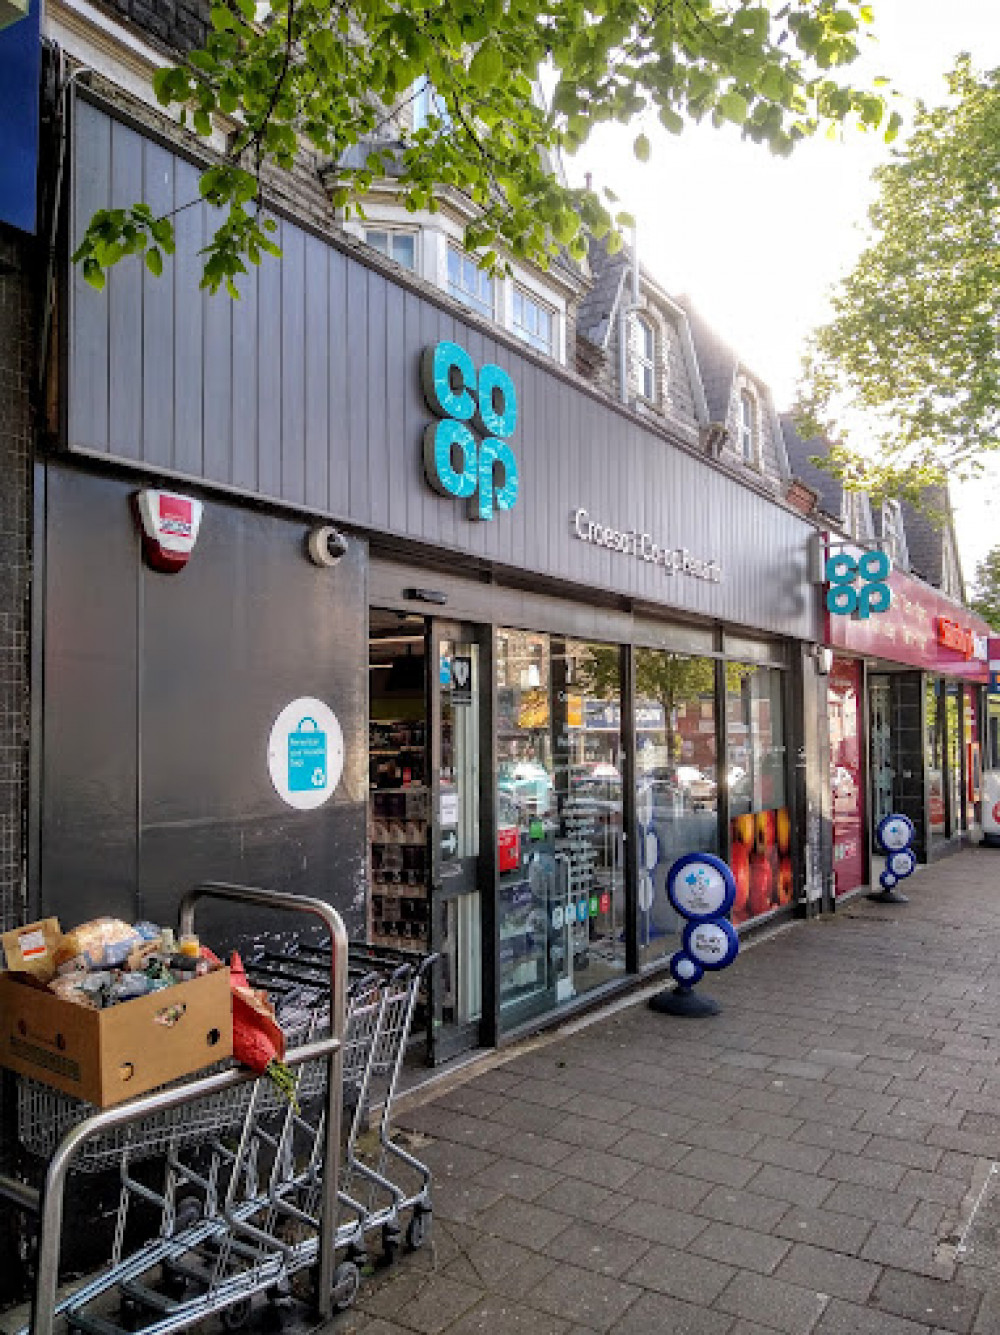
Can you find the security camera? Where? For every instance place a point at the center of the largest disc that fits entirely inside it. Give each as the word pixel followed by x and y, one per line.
pixel 326 545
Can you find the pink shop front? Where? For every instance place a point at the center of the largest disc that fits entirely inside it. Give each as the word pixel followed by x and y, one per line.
pixel 906 719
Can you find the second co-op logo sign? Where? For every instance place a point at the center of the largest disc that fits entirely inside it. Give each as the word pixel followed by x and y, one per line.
pixel 480 467
pixel 858 586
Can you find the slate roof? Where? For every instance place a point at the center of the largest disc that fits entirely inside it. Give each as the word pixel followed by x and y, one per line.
pixel 800 453
pixel 926 533
pixel 716 360
pixel 596 311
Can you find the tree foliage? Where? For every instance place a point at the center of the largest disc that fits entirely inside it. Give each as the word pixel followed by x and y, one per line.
pixel 913 343
pixel 986 589
pixel 321 77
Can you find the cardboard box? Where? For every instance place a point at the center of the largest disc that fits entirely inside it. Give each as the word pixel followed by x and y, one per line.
pixel 108 1056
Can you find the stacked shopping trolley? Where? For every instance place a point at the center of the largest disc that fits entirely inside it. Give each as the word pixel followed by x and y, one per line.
pixel 259 1193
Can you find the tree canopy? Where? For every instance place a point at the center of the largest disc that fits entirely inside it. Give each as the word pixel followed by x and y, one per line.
pixel 913 343
pixel 986 589
pixel 323 77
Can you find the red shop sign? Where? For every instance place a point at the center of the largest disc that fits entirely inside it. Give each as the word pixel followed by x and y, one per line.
pixel 920 628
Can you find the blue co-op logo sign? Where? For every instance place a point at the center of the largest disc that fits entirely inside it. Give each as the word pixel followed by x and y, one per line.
pixel 480 467
pixel 858 585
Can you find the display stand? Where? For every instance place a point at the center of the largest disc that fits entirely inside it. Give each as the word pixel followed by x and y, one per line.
pixel 701 889
pixel 684 1002
pixel 895 835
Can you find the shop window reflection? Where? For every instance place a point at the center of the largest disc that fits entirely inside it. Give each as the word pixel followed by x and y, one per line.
pixel 676 782
pixel 935 747
pixel 760 828
pixel 560 849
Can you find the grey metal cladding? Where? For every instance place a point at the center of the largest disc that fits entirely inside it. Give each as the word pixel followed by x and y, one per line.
pixel 307 393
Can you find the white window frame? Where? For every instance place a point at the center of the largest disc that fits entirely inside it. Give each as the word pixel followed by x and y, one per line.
pixel 473 301
pixel 522 330
pixel 425 102
pixel 389 232
pixel 892 531
pixel 644 363
pixel 749 430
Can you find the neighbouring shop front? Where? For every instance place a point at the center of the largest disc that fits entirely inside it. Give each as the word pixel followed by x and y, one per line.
pixel 906 726
pixel 543 651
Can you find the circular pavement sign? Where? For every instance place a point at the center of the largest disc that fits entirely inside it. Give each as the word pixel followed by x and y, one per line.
pixel 305 753
pixel 701 887
pixel 645 891
pixel 887 880
pixel 685 970
pixel 895 832
pixel 902 864
pixel 713 945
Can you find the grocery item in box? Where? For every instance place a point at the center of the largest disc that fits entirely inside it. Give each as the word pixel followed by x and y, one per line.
pixel 106 942
pixel 31 949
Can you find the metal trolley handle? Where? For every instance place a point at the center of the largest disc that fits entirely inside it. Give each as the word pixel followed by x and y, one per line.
pixel 48 1203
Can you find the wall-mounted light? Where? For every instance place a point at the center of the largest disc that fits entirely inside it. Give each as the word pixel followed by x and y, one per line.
pixel 326 545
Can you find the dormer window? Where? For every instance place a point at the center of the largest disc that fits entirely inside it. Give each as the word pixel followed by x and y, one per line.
pixel 469 284
pixel 749 443
pixel 892 532
pixel 395 245
pixel 427 102
pixel 644 358
pixel 534 323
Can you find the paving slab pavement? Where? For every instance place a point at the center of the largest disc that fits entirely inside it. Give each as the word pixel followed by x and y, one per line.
pixel 820 1159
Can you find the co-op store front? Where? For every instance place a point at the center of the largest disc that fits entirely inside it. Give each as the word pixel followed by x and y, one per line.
pixel 907 722
pixel 557 651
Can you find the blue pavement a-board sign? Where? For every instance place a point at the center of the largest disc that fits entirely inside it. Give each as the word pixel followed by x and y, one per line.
pixel 20 69
pixel 895 834
pixel 702 890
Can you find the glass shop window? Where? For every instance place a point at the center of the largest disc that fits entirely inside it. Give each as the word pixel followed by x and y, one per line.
pixel 560 846
pixel 676 771
pixel 760 828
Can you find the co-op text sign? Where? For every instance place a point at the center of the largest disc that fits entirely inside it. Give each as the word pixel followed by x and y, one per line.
pixel 480 467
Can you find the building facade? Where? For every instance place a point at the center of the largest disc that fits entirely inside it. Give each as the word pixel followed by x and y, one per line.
pixel 907 703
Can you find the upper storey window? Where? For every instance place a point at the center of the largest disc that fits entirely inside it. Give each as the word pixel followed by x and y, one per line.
pixel 398 246
pixel 892 531
pixel 644 358
pixel 749 436
pixel 426 103
pixel 469 284
pixel 533 322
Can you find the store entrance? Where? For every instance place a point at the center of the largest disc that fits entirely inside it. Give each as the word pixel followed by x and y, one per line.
pixel 882 771
pixel 424 774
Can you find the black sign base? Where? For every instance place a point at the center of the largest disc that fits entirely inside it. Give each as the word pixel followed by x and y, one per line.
pixel 684 1002
pixel 888 897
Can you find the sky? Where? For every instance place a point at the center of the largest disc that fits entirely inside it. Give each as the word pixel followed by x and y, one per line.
pixel 757 242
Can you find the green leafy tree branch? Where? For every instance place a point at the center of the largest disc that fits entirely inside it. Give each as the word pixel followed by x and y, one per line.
pixel 986 589
pixel 325 78
pixel 912 349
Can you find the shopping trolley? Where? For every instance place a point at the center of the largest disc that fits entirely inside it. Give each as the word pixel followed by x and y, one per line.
pixel 385 993
pixel 239 1215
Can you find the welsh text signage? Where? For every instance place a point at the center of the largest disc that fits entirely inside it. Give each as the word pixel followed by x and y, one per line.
pixel 480 467
pixel 643 547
